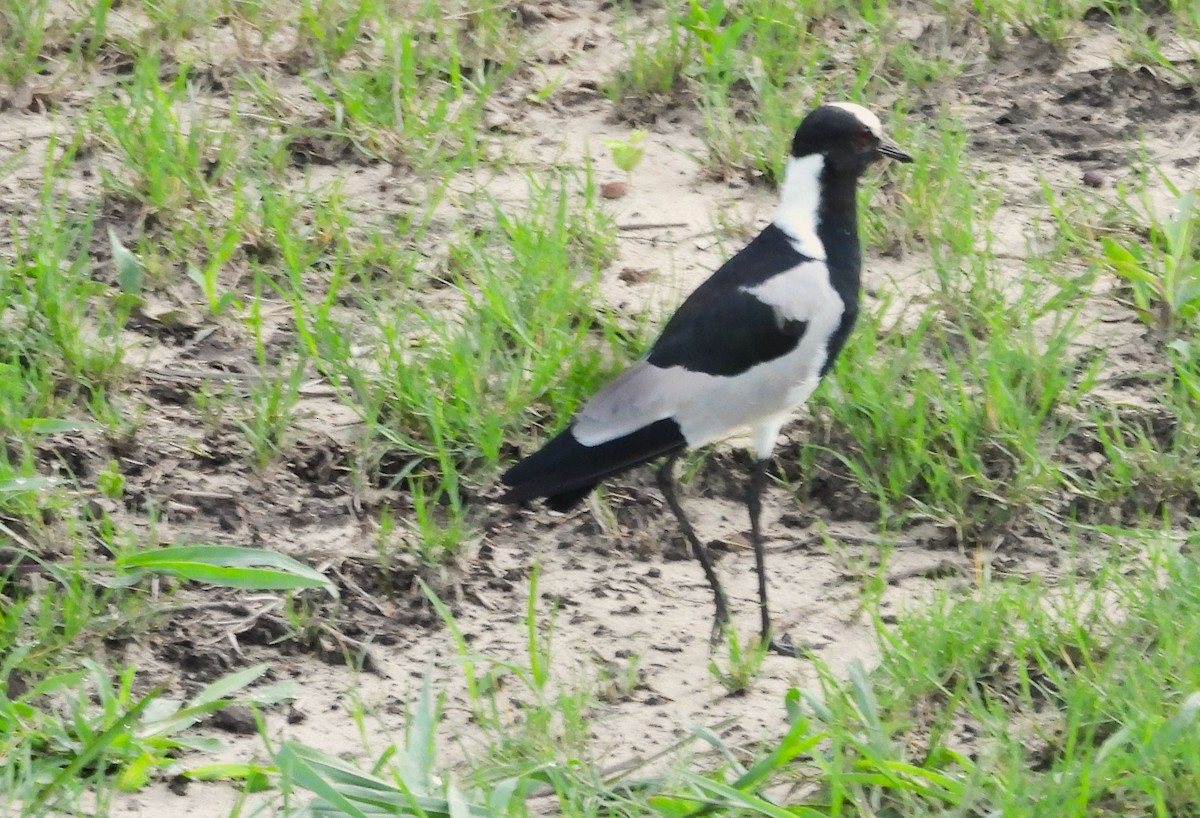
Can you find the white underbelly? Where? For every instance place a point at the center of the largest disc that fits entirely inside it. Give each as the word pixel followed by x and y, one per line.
pixel 728 405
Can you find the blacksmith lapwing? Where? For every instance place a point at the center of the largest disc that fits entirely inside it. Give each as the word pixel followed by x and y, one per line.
pixel 744 350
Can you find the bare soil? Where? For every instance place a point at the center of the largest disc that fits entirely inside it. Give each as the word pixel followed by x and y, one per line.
pixel 620 586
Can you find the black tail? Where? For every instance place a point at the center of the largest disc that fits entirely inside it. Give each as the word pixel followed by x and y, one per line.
pixel 564 471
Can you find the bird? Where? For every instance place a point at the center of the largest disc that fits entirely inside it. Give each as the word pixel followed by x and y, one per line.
pixel 741 353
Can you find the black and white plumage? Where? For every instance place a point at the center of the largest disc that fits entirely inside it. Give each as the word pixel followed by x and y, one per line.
pixel 743 351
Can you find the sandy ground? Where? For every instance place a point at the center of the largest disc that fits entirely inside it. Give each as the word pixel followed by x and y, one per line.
pixel 620 583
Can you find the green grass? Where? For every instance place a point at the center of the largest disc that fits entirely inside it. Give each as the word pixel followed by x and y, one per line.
pixel 312 189
pixel 1087 701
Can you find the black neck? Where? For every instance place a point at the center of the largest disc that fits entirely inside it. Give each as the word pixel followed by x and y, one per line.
pixel 837 228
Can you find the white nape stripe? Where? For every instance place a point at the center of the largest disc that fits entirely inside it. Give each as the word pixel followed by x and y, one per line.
pixel 799 199
pixel 862 115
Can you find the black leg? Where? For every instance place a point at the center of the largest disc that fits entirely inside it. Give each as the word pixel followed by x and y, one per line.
pixel 666 483
pixel 754 505
pixel 758 479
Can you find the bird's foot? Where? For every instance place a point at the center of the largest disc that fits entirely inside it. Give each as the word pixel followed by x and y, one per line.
pixel 720 623
pixel 782 646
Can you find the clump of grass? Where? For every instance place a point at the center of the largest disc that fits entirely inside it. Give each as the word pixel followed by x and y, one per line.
pixel 172 21
pixel 72 726
pixel 59 348
pixel 88 730
pixel 954 427
pixel 22 32
pixel 171 149
pixel 753 68
pixel 742 665
pixel 1075 706
pixel 333 28
pixel 522 309
pixel 658 63
pixel 1146 454
pixel 419 98
pixel 1164 273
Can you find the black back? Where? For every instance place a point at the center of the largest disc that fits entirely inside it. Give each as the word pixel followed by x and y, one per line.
pixel 721 330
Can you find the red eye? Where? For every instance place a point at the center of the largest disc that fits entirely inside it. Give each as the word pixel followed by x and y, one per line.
pixel 864 135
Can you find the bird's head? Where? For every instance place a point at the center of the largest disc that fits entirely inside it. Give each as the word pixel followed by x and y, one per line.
pixel 849 137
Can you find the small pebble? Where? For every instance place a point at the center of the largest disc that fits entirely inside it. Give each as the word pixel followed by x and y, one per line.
pixel 635 275
pixel 613 190
pixel 235 718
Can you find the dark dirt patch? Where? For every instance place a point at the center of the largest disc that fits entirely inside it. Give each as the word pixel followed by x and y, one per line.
pixel 1091 116
pixel 323 148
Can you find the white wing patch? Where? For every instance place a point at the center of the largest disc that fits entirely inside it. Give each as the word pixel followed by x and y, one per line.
pixel 800 294
pixel 711 407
